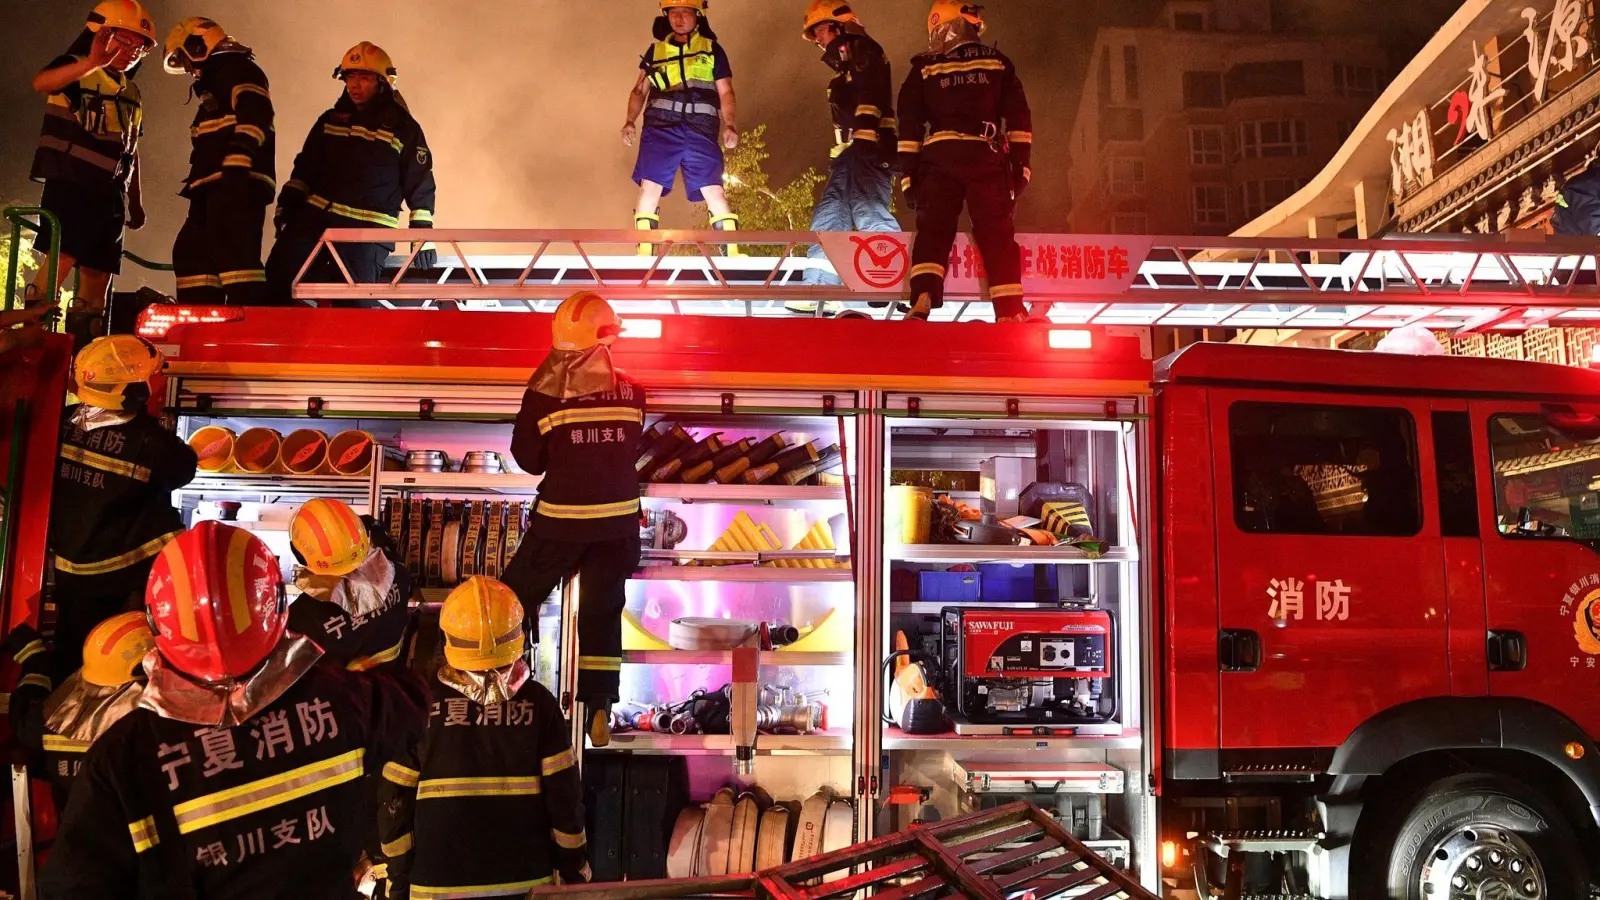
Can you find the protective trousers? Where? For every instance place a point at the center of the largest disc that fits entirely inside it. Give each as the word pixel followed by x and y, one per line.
pixel 949 174
pixel 364 262
pixel 603 568
pixel 856 198
pixel 217 255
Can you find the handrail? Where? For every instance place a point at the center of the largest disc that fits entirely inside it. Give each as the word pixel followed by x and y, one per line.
pixel 16 215
pixel 143 263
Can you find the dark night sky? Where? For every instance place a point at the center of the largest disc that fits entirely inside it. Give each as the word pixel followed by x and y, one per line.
pixel 522 102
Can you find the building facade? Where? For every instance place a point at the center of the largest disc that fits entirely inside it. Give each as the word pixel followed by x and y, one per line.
pixel 1206 119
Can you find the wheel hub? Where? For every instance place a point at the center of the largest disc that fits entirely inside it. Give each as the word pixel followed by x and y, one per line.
pixel 1480 862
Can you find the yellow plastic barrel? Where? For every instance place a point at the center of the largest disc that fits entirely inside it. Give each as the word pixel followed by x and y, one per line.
pixel 352 453
pixel 256 451
pixel 305 452
pixel 214 445
pixel 910 514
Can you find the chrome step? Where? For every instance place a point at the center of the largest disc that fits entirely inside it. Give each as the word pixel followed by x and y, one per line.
pixel 1273 840
pixel 1273 772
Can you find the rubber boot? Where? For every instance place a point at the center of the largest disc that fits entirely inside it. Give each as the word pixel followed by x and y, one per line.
pixel 921 309
pixel 729 222
pixel 646 222
pixel 597 723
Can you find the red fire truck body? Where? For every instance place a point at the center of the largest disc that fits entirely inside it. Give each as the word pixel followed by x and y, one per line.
pixel 1348 680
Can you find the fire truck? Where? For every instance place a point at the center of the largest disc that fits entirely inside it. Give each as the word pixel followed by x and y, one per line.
pixel 1325 624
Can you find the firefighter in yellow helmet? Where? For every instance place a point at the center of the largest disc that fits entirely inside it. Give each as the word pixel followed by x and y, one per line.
pixel 217 254
pixel 580 421
pixel 362 159
pixel 685 90
pixel 966 139
pixel 88 156
pixel 488 803
pixel 111 511
pixel 355 589
pixel 59 726
pixel 861 95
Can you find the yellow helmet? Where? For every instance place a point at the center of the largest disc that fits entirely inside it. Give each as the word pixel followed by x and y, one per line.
pixel 367 57
pixel 482 625
pixel 827 11
pixel 584 320
pixel 193 40
pixel 698 6
pixel 115 648
pixel 106 368
pixel 946 11
pixel 128 15
pixel 329 538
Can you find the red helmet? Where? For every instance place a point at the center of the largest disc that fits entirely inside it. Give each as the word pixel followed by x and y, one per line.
pixel 216 602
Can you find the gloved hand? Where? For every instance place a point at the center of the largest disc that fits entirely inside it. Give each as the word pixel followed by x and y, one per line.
pixel 427 258
pixel 1020 176
pixel 908 187
pixel 280 218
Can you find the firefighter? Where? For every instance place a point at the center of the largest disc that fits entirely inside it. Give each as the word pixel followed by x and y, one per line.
pixel 580 421
pixel 685 90
pixel 355 589
pixel 489 804
pixel 60 726
pixel 861 95
pixel 111 511
pixel 88 157
pixel 217 254
pixel 239 775
pixel 362 159
pixel 966 136
pixel 1578 206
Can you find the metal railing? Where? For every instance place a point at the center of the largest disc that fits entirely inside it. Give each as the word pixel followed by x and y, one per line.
pixel 17 217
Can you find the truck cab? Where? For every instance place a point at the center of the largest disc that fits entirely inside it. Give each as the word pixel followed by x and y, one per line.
pixel 1379 580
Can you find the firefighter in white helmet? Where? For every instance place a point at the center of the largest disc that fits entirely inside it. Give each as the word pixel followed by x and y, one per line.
pixel 362 159
pixel 88 156
pixel 580 422
pixel 488 803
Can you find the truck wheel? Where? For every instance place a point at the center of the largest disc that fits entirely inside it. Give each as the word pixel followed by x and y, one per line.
pixel 1477 836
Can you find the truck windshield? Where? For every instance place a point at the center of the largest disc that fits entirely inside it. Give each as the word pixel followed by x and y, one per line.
pixel 1545 482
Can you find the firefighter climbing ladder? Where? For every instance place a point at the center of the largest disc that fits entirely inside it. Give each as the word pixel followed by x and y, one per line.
pixel 1466 285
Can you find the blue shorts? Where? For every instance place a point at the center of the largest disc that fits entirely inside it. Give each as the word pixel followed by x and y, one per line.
pixel 663 151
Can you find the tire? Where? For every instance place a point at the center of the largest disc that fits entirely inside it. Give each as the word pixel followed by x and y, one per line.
pixel 1485 829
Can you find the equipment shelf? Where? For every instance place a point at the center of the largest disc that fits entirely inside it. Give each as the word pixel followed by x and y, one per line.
pixel 518 484
pixel 895 739
pixel 976 553
pixel 769 658
pixel 743 574
pixel 722 745
pixel 740 493
pixel 343 487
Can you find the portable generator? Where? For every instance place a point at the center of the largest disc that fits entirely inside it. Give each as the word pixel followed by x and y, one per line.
pixel 1029 671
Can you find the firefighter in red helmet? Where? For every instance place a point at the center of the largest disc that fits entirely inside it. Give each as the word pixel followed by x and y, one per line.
pixel 240 774
pixel 966 139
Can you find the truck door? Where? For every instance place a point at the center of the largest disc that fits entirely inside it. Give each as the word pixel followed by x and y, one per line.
pixel 1541 532
pixel 1330 565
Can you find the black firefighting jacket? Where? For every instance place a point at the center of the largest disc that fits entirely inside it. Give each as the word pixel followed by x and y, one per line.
pixel 361 164
pixel 585 448
pixel 270 808
pixel 861 95
pixel 233 126
pixel 112 505
pixel 971 93
pixel 489 804
pixel 58 758
pixel 358 640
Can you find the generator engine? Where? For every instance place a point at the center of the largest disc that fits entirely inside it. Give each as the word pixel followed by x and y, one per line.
pixel 1011 670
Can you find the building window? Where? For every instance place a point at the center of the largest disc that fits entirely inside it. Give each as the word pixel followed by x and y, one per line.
pixel 1202 90
pixel 1130 73
pixel 1355 81
pixel 1267 79
pixel 1126 177
pixel 1211 204
pixel 1104 88
pixel 1303 468
pixel 1272 138
pixel 1205 145
pixel 1130 223
pixel 1256 197
pixel 1189 21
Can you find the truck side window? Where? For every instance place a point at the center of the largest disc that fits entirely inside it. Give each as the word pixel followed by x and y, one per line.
pixel 1544 481
pixel 1304 468
pixel 1458 482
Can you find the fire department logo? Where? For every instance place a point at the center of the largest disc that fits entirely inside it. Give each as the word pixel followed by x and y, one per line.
pixel 422 156
pixel 1586 624
pixel 880 260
